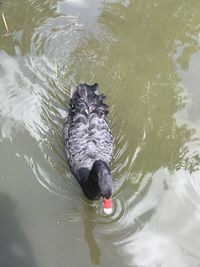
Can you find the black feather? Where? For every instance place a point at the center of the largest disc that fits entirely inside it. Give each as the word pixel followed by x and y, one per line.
pixel 88 140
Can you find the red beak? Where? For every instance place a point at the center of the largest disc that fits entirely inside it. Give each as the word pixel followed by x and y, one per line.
pixel 107 205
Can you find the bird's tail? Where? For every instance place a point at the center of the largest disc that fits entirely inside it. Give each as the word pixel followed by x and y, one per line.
pixel 85 99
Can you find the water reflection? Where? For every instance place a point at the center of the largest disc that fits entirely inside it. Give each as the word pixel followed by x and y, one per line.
pixel 22 27
pixel 151 92
pixel 159 250
pixel 89 226
pixel 132 48
pixel 147 51
pixel 168 238
pixel 15 249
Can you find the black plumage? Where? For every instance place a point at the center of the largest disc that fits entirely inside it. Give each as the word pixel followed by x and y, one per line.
pixel 88 141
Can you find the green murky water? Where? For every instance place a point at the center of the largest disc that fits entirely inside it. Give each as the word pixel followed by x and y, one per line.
pixel 145 55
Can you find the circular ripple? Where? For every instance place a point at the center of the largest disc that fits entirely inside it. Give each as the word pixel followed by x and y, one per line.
pixel 50 60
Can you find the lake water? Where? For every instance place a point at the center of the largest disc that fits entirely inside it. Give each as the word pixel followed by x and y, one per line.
pixel 145 55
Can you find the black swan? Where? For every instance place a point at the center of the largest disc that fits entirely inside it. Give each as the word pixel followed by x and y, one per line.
pixel 88 143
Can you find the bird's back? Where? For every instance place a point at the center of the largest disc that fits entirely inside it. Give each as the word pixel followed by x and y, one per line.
pixel 86 132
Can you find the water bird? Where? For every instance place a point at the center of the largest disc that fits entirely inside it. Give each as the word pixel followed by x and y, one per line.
pixel 89 143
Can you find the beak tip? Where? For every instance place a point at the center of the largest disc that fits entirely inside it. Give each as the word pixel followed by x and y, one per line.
pixel 107 211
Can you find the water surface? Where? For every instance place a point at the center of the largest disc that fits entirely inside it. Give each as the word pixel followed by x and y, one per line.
pixel 145 55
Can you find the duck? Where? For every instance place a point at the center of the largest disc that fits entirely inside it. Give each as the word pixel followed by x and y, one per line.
pixel 89 143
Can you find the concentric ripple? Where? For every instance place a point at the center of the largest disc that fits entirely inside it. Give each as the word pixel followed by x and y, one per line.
pixel 51 56
pixel 149 71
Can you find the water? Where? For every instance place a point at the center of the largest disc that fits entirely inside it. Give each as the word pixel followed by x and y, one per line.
pixel 145 55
